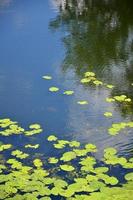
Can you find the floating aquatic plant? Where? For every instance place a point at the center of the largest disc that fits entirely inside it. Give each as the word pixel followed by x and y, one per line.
pixel 53 160
pixel 19 154
pixel 97 82
pixel 108 114
pixel 89 74
pixel 67 156
pixel 117 127
pixel 32 146
pixel 110 86
pixel 67 168
pixel 38 163
pixel 68 92
pixel 82 102
pixel 35 126
pixel 52 138
pixel 46 77
pixel 5 147
pixel 53 89
pixel 121 98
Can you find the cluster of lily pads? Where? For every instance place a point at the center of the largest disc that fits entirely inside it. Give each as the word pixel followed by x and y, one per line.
pixel 74 175
pixel 121 98
pixel 42 179
pixel 90 78
pixel 116 128
pixel 9 127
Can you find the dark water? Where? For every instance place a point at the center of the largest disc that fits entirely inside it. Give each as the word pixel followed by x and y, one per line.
pixel 41 37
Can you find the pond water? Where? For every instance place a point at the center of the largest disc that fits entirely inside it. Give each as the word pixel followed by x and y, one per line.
pixel 65 39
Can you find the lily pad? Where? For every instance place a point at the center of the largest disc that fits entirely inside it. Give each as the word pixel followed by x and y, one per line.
pixel 67 168
pixel 68 92
pixel 52 138
pixel 47 77
pixel 67 156
pixel 53 89
pixel 108 114
pixel 53 160
pixel 82 102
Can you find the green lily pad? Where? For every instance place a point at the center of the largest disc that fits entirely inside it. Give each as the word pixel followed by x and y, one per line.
pixel 85 80
pixel 53 160
pixel 91 148
pixel 5 147
pixel 19 154
pixel 35 126
pixel 129 176
pixel 68 92
pixel 108 114
pixel 88 74
pixel 32 146
pixel 67 156
pixel 37 163
pixel 67 168
pixel 97 82
pixel 53 89
pixel 74 144
pixel 46 77
pixel 52 138
pixel 110 86
pixel 82 102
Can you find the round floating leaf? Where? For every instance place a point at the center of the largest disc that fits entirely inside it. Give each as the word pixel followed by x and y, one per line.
pixel 97 82
pixel 82 102
pixel 74 144
pixel 109 100
pixel 47 77
pixel 53 89
pixel 35 126
pixel 52 138
pixel 110 86
pixel 68 92
pixel 60 183
pixel 88 74
pixel 91 148
pixel 85 80
pixel 68 156
pixel 108 114
pixel 53 160
pixel 32 146
pixel 129 176
pixel 19 154
pixel 80 152
pixel 67 168
pixel 38 163
pixel 5 147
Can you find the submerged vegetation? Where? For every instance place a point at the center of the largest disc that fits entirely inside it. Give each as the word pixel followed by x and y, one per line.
pixel 75 174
